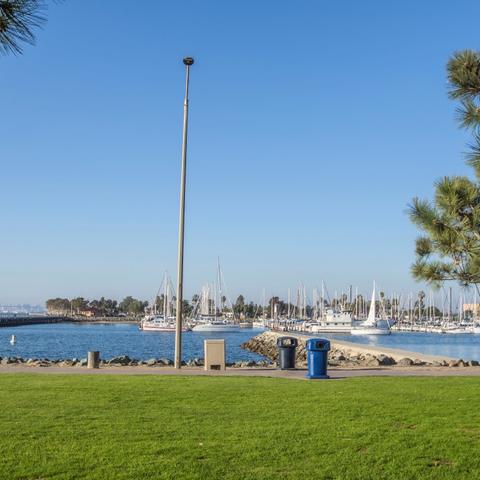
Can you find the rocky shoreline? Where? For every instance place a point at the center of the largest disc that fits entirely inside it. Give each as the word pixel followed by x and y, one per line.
pixel 121 361
pixel 342 356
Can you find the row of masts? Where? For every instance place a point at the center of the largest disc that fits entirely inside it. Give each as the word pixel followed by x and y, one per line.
pixel 404 309
pixel 399 307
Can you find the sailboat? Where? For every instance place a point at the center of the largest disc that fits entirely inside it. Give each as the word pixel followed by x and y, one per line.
pixel 261 322
pixel 330 320
pixel 372 325
pixel 165 321
pixel 211 318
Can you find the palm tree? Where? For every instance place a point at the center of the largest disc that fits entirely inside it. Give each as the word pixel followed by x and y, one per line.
pixel 18 19
pixel 449 248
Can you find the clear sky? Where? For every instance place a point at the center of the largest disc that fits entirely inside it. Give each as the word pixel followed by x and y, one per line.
pixel 312 125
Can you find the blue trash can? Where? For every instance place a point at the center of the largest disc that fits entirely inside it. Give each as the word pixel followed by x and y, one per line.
pixel 317 357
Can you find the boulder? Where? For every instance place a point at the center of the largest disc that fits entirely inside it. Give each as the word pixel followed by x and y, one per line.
pixel 151 362
pixel 405 362
pixel 473 363
pixel 385 359
pixel 372 362
pixel 121 360
pixel 167 362
pixel 333 363
pixel 8 360
pixel 453 363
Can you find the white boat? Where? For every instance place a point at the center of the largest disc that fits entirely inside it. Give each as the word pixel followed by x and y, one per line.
pixel 216 325
pixel 454 330
pixel 333 322
pixel 372 325
pixel 258 324
pixel 165 321
pixel 211 316
pixel 160 323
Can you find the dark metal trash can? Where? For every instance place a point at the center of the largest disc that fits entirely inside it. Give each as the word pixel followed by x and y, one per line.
pixel 287 348
pixel 317 357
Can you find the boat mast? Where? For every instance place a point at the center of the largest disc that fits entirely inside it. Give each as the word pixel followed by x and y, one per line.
pixel 219 284
pixel 304 302
pixel 288 306
pixel 264 306
pixel 323 300
pixel 474 305
pixel 449 305
pixel 165 295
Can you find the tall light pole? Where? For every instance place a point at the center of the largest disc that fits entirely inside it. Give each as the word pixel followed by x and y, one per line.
pixel 188 61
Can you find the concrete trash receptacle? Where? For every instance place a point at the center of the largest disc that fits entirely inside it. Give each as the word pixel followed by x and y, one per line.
pixel 93 360
pixel 214 354
pixel 317 357
pixel 287 350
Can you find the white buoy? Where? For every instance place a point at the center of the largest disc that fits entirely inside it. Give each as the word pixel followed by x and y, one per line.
pixel 13 340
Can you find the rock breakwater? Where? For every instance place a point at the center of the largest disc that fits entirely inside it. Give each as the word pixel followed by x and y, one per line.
pixel 120 361
pixel 343 356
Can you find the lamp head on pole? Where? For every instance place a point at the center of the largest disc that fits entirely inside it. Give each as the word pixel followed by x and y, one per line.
pixel 188 61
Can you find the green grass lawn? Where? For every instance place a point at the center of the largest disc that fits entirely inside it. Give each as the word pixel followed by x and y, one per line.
pixel 152 427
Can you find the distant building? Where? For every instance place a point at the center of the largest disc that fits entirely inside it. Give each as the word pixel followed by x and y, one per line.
pixel 89 312
pixel 21 309
pixel 472 307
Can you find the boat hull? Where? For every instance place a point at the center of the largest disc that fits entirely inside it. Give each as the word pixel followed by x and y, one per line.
pixel 370 331
pixel 216 328
pixel 153 328
pixel 455 331
pixel 326 329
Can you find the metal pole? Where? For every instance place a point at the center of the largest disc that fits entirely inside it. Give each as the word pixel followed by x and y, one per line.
pixel 188 61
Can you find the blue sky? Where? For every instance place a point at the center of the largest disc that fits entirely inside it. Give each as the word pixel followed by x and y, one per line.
pixel 312 125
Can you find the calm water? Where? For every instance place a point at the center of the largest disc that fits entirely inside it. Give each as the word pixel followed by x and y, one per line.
pixel 67 340
pixel 466 346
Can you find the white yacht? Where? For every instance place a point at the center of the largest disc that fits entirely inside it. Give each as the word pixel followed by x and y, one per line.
pixel 333 322
pixel 164 321
pixel 160 323
pixel 211 316
pixel 212 324
pixel 260 323
pixel 372 325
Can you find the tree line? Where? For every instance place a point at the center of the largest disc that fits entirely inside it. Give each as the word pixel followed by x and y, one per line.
pixel 103 307
pixel 106 307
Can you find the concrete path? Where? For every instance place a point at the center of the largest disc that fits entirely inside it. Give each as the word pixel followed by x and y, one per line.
pixel 298 374
pixel 396 353
pixel 362 348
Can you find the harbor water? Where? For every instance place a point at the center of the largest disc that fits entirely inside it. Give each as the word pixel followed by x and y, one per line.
pixel 459 345
pixel 74 340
